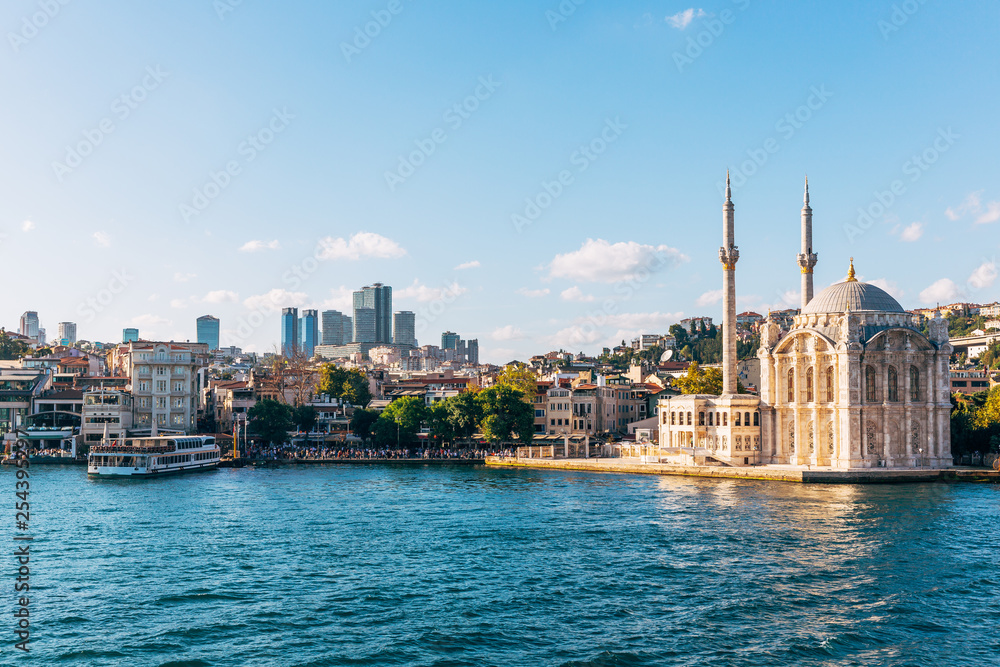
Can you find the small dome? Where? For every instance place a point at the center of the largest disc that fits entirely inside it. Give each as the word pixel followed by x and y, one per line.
pixel 852 295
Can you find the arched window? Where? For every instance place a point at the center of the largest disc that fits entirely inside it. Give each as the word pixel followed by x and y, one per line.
pixel 869 384
pixel 809 386
pixel 893 390
pixel 914 384
pixel 711 420
pixel 701 419
pixel 725 419
pixel 756 419
pixel 746 420
pixel 689 419
pixel 829 384
pixel 736 417
pixel 673 418
pixel 791 385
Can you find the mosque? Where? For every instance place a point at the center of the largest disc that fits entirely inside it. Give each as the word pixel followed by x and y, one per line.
pixel 852 384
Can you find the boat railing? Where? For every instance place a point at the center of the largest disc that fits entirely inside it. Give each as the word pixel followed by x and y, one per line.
pixel 111 449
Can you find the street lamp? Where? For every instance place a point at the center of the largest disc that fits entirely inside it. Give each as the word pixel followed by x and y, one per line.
pixel 920 451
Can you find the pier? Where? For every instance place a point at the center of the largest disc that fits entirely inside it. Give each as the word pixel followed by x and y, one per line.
pixel 777 473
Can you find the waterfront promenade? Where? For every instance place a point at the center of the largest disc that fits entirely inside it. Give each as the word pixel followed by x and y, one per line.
pixel 777 473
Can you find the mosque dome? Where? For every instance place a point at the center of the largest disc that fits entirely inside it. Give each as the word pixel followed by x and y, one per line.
pixel 854 296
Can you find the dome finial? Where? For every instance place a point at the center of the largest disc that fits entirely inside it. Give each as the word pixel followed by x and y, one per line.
pixel 805 198
pixel 729 191
pixel 850 274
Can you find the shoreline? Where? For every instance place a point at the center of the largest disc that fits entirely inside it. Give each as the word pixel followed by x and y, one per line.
pixel 760 473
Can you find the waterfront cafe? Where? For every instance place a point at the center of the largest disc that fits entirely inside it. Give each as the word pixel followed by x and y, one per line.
pixel 43 441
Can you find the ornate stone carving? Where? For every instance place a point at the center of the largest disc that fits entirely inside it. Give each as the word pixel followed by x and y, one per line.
pixel 938 329
pixel 770 334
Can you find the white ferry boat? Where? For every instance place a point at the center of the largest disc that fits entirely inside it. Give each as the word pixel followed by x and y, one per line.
pixel 146 457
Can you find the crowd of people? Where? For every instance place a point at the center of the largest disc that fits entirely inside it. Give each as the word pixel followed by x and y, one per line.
pixel 324 452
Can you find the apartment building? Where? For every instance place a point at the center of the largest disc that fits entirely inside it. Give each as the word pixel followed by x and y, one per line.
pixel 165 381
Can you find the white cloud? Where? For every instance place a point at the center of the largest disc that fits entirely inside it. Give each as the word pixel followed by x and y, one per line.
pixel 912 232
pixel 27 226
pixel 708 298
pixel 275 300
pixel 533 293
pixel 184 277
pixel 587 332
pixel 600 261
pixel 681 20
pixel 153 297
pixel 984 276
pixel 178 303
pixel 341 298
pixel 102 239
pixel 149 321
pixel 257 246
pixel 221 296
pixel 360 246
pixel 943 291
pixel 973 205
pixel 509 332
pixel 423 293
pixel 575 294
pixel 991 214
pixel 474 264
pixel 888 286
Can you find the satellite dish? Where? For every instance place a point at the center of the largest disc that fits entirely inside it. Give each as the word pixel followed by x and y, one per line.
pixel 667 356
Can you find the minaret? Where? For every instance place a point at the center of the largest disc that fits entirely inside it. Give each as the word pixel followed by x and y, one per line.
pixel 728 255
pixel 807 258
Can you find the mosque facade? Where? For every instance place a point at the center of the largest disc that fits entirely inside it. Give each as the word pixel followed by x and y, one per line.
pixel 853 384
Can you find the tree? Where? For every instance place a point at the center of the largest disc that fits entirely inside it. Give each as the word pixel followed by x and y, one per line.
pixel 703 381
pixel 520 377
pixel 271 420
pixel 506 415
pixel 407 413
pixel 680 335
pixel 11 348
pixel 386 433
pixel 299 376
pixel 439 420
pixel 349 385
pixel 362 422
pixel 304 417
pixel 42 352
pixel 465 412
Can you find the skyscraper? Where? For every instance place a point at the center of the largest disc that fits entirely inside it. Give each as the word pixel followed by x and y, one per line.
pixel 472 351
pixel 29 325
pixel 337 328
pixel 404 328
pixel 364 325
pixel 67 333
pixel 130 335
pixel 449 340
pixel 289 331
pixel 377 297
pixel 208 331
pixel 310 332
pixel 333 327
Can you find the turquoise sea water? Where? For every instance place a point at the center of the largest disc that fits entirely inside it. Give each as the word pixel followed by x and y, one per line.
pixel 396 565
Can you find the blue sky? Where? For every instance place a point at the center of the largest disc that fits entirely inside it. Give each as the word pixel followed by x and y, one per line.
pixel 162 161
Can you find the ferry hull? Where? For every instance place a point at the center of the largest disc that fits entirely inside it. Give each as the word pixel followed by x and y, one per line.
pixel 107 471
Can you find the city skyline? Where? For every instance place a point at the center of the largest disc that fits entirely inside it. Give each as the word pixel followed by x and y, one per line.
pixel 567 201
